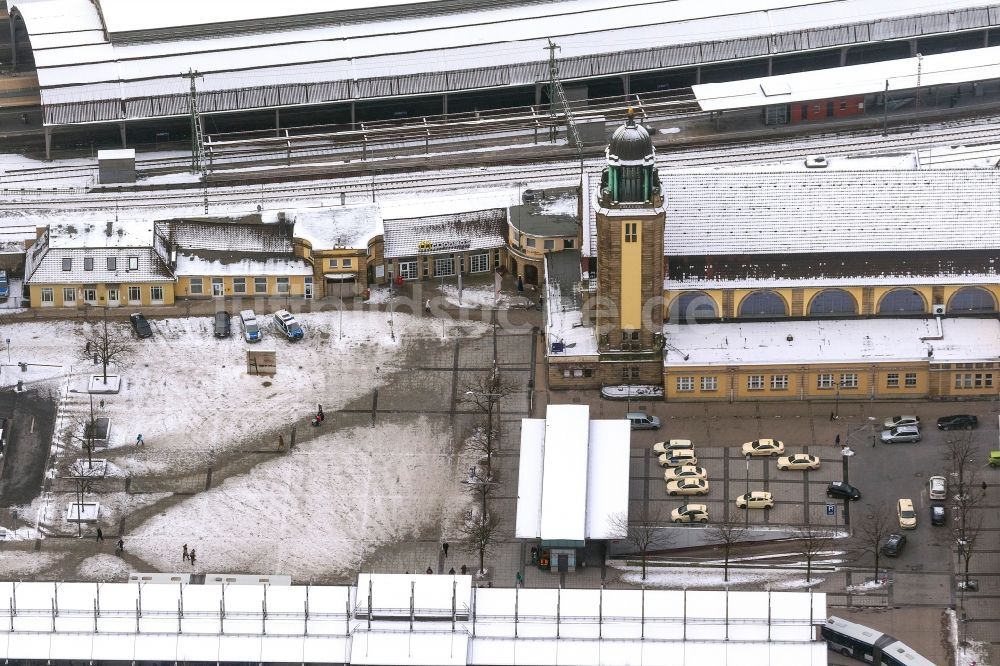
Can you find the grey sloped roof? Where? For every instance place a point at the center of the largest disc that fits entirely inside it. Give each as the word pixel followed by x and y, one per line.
pixel 831 211
pixel 226 236
pixel 478 230
pixel 47 269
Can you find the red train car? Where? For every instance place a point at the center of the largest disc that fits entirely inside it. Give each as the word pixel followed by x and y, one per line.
pixel 820 109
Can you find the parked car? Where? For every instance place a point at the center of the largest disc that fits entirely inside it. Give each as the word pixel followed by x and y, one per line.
pixel 763 447
pixel 842 490
pixel 756 499
pixel 958 422
pixel 907 516
pixel 687 487
pixel 901 434
pixel 140 325
pixel 287 324
pixel 903 420
pixel 221 324
pixel 799 461
pixel 893 546
pixel 937 488
pixel 816 162
pixel 678 458
pixel 251 330
pixel 671 445
pixel 939 515
pixel 690 513
pixel 4 285
pixel 643 421
pixel 685 472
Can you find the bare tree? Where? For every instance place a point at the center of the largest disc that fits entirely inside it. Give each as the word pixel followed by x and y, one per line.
pixel 479 532
pixel 486 394
pixel 967 542
pixel 811 542
pixel 109 345
pixel 83 431
pixel 641 532
pixel 872 531
pixel 727 534
pixel 961 458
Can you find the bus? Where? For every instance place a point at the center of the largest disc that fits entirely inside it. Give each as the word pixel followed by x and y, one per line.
pixel 869 645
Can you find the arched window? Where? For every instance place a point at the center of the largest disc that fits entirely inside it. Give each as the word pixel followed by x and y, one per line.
pixel 972 299
pixel 902 300
pixel 763 304
pixel 833 302
pixel 692 307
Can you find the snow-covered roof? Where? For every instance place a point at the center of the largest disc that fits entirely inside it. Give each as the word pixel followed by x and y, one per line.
pixel 564 306
pixel 836 211
pixel 573 476
pixel 832 341
pixel 119 154
pixel 338 226
pixel 445 234
pixel 247 50
pixel 207 263
pixel 234 237
pixel 131 233
pixel 278 623
pixel 904 74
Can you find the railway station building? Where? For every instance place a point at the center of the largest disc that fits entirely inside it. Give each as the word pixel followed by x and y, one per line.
pixel 793 284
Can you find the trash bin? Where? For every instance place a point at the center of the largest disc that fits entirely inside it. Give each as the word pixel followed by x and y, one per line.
pixel 23 366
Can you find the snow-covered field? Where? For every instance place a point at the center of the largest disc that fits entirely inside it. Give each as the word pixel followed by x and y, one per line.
pixel 315 511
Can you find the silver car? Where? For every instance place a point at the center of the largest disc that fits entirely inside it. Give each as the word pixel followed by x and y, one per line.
pixel 901 434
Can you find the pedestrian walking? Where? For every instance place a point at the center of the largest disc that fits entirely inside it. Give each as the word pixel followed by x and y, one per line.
pixel 427 306
pixel 120 547
pixel 451 572
pixel 192 557
pixel 138 440
pixel 519 580
pixel 319 413
pixel 184 555
pixel 984 490
pixel 831 416
pixel 429 570
pixel 837 440
pixel 444 547
pixel 874 440
pixel 100 534
pixel 464 570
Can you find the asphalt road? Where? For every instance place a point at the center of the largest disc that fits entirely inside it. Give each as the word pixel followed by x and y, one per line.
pixel 32 420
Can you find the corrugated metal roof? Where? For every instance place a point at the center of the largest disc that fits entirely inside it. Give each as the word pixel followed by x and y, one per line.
pixel 459 232
pixel 419 59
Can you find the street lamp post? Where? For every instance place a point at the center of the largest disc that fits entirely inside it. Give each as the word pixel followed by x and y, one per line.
pixel 846 454
pixel 747 496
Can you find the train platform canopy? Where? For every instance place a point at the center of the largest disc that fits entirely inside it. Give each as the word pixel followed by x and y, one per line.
pixel 963 340
pixel 573 476
pixel 124 60
pixel 904 74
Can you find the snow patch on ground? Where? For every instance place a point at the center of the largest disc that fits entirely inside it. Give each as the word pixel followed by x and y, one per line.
pixel 104 568
pixel 967 653
pixel 709 578
pixel 23 563
pixel 867 586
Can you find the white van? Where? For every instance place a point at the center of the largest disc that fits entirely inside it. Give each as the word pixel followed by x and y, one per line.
pixel 251 331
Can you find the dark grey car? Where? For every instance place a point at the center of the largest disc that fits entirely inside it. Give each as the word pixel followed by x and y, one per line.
pixel 221 324
pixel 893 545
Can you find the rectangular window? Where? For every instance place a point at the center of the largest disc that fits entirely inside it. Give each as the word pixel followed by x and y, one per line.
pixel 218 287
pixel 685 383
pixel 282 284
pixel 630 373
pixel 843 106
pixel 260 285
pixel 549 244
pixel 156 294
pixel 958 380
pixel 112 264
pixel 239 285
pixel 90 294
pixel 892 380
pixel 849 380
pixel 910 379
pixel 134 295
pixel 824 381
pixel 69 295
pixel 444 266
pixel 133 263
pixel 480 263
pixel 332 263
pixel 530 242
pixel 568 244
pixel 408 270
pixel 779 382
pixel 88 263
pixel 347 263
pixel 709 384
pixel 67 263
pixel 461 263
pixel 496 258
pixel 195 286
pixel 755 382
pixel 48 296
pixel 631 232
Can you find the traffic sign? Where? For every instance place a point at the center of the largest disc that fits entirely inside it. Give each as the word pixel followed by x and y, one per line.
pixel 831 509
